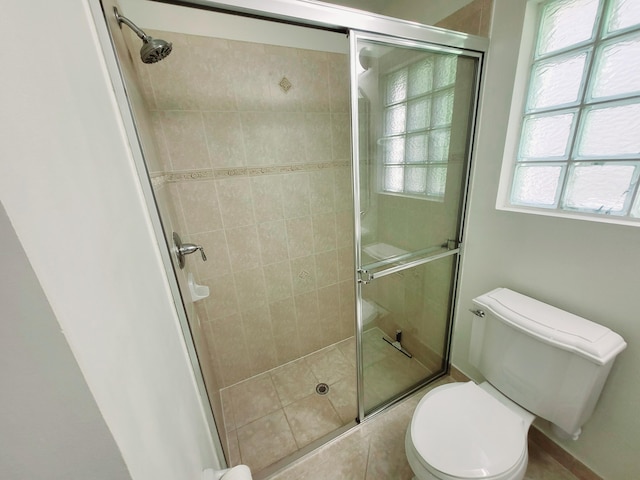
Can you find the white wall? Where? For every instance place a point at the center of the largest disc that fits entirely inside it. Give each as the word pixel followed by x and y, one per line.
pixel 428 13
pixel 588 268
pixel 69 187
pixel 51 426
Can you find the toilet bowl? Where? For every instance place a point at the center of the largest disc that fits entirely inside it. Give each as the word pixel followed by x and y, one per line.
pixel 537 360
pixel 467 431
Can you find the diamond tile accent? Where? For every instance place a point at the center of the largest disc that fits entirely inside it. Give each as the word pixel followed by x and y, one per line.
pixel 285 84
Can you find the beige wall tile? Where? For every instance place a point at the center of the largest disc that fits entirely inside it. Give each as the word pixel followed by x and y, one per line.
pixel 326 268
pixel 329 301
pixel 309 329
pixel 251 289
pixel 225 142
pixel 259 339
pixel 272 138
pixel 338 87
pixel 277 278
pixel 222 300
pixel 321 191
pixel 211 80
pixel 185 139
pixel 300 236
pixel 314 81
pixel 343 186
pixel 200 207
pixel 295 195
pixel 267 197
pixel 215 246
pixel 232 354
pixel 317 138
pixel 341 136
pixel 285 329
pixel 160 142
pixel 324 232
pixel 344 229
pixel 220 106
pixel 244 247
pixel 303 274
pixel 273 242
pixel 234 197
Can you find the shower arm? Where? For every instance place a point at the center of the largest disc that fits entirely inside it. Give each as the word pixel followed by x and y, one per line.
pixel 121 19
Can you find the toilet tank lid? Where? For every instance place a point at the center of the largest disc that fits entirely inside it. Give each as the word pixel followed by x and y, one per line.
pixel 552 325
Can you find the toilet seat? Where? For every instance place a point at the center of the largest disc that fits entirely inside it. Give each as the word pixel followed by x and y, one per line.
pixel 461 431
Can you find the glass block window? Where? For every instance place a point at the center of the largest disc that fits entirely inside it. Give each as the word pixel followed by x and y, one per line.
pixel 418 109
pixel 579 147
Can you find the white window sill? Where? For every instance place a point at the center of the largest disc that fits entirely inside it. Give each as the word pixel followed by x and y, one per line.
pixel 572 216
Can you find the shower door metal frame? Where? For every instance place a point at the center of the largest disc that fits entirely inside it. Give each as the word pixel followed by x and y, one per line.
pixel 421 257
pixel 305 13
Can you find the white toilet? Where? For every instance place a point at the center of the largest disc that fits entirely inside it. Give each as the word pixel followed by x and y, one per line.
pixel 538 361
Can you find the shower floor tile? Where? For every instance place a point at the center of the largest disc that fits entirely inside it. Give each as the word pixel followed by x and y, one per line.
pixel 266 439
pixel 274 414
pixel 311 418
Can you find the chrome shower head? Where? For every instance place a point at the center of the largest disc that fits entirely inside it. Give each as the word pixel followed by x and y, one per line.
pixel 153 49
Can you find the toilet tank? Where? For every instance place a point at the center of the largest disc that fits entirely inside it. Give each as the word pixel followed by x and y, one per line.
pixel 549 361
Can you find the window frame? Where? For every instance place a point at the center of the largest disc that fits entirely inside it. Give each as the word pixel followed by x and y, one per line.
pixel 518 114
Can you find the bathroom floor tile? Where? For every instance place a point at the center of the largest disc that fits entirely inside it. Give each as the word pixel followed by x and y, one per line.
pixel 374 450
pixel 544 467
pixel 266 441
pixel 311 418
pixel 254 398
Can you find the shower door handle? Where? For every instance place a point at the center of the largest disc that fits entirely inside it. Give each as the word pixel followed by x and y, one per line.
pixel 183 249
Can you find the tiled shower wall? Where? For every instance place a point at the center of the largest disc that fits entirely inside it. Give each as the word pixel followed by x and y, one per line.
pixel 255 145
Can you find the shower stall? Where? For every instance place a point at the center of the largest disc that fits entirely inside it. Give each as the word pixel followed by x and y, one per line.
pixel 310 190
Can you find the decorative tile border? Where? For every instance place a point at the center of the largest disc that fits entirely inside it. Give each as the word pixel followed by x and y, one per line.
pixel 161 178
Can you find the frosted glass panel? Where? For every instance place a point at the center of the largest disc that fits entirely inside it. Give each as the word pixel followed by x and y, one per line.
pixel 536 185
pixel 396 87
pixel 635 210
pixel 599 188
pixel 421 77
pixel 394 179
pixel 611 132
pixel 446 66
pixel 439 145
pixel 416 180
pixel 442 109
pixel 566 23
pixel 394 121
pixel 546 137
pixel 419 114
pixel 393 150
pixel 556 82
pixel 624 13
pixel 617 70
pixel 417 146
pixel 436 181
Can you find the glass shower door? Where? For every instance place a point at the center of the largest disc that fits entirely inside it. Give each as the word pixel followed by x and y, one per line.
pixel 411 153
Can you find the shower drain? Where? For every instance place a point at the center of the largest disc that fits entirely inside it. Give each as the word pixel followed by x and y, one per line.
pixel 322 389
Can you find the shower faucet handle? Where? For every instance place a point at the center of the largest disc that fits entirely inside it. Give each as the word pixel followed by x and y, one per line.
pixel 188 248
pixel 183 249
